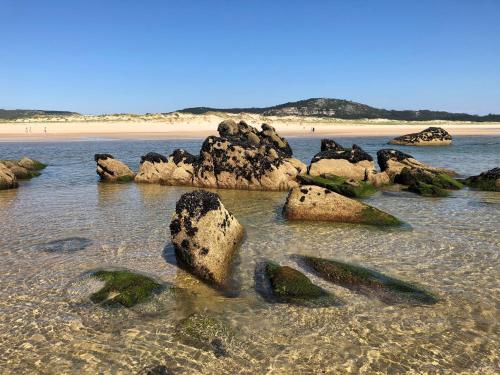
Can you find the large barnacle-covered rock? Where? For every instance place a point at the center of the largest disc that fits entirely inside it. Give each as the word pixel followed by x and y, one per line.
pixel 432 136
pixel 205 236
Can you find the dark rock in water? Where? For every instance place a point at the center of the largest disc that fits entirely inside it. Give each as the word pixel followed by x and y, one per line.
pixel 384 155
pixel 426 183
pixel 488 181
pixel 153 157
pixel 205 236
pixel 206 332
pixel 330 144
pixel 368 282
pixel 110 169
pixel 98 157
pixel 182 156
pixel 340 185
pixel 429 136
pixel 284 284
pixel 69 244
pixel 124 288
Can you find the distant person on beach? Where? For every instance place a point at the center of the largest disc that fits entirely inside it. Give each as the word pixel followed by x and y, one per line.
pixel 312 130
pixel 45 130
pixel 30 129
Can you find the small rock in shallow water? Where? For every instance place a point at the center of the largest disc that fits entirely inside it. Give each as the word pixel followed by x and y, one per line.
pixel 488 181
pixel 124 288
pixel 368 282
pixel 284 284
pixel 69 244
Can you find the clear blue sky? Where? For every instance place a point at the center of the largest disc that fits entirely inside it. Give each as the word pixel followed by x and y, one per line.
pixel 157 56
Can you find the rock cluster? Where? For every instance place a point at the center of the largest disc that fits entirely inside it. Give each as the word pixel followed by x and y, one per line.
pixel 13 170
pixel 419 177
pixel 110 169
pixel 205 236
pixel 432 136
pixel 488 181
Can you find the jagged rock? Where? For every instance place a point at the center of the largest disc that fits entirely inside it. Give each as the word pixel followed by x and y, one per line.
pixel 315 203
pixel 353 163
pixel 110 169
pixel 368 282
pixel 340 185
pixel 432 136
pixel 205 236
pixel 8 179
pixel 284 284
pixel 233 161
pixel 392 162
pixel 489 180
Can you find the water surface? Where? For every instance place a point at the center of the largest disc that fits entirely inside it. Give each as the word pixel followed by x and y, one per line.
pixel 48 326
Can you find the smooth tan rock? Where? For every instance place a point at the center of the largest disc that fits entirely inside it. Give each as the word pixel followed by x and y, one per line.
pixel 110 169
pixel 316 203
pixel 205 236
pixel 359 171
pixel 379 179
pixel 8 179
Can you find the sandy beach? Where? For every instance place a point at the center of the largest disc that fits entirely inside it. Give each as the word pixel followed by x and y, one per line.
pixel 180 126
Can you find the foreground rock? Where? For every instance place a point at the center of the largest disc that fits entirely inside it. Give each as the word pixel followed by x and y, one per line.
pixel 316 203
pixel 419 177
pixel 205 236
pixel 110 169
pixel 8 179
pixel 368 282
pixel 124 288
pixel 25 168
pixel 241 158
pixel 287 285
pixel 432 136
pixel 488 181
pixel 340 185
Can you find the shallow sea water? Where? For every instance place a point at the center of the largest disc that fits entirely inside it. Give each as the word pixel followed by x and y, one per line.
pixel 47 324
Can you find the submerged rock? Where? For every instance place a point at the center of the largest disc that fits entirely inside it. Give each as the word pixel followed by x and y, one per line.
pixel 69 244
pixel 315 203
pixel 432 136
pixel 124 288
pixel 287 285
pixel 206 332
pixel 340 185
pixel 488 181
pixel 205 236
pixel 8 179
pixel 368 282
pixel 110 169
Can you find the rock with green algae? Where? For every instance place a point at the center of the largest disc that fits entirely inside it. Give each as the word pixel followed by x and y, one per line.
pixel 427 183
pixel 207 332
pixel 427 190
pixel 288 285
pixel 368 282
pixel 487 181
pixel 124 288
pixel 340 185
pixel 311 202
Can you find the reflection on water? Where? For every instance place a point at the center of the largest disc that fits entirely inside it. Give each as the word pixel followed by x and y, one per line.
pixel 47 325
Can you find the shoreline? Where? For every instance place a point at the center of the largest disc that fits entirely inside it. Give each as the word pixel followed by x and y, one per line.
pixel 196 128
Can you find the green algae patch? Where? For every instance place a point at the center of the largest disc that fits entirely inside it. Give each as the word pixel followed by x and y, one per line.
pixel 446 182
pixel 428 190
pixel 207 332
pixel 340 185
pixel 124 288
pixel 374 216
pixel 288 285
pixel 37 165
pixel 369 282
pixel 124 179
pixel 485 185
